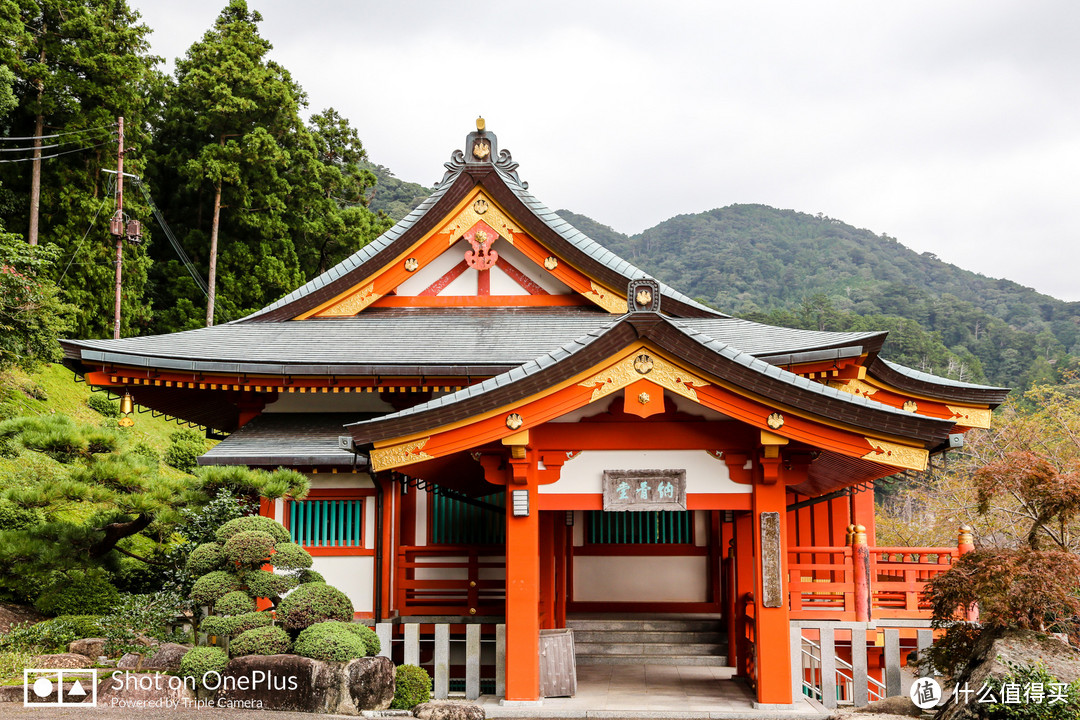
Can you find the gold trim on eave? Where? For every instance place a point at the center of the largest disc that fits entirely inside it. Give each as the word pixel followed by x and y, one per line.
pixel 353 304
pixel 662 373
pixel 855 387
pixel 613 303
pixel 903 456
pixel 481 208
pixel 971 417
pixel 395 456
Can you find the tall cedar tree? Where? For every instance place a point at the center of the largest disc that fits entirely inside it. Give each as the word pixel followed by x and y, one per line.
pixel 77 67
pixel 256 197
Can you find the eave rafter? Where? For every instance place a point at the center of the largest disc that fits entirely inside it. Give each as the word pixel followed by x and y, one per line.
pixel 477 206
pixel 637 363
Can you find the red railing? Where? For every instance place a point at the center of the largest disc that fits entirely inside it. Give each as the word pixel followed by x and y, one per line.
pixel 451 580
pixel 821 579
pixel 899 574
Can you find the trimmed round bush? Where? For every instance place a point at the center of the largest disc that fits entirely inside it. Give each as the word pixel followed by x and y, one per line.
pixel 103 405
pixel 235 603
pixel 252 522
pixel 199 661
pixel 205 558
pixel 15 517
pixel 234 625
pixel 312 603
pixel 369 637
pixel 78 594
pixel 412 686
pixel 309 576
pixel 52 635
pixel 268 640
pixel 290 556
pixel 265 584
pixel 251 620
pixel 331 640
pixel 249 547
pixel 211 587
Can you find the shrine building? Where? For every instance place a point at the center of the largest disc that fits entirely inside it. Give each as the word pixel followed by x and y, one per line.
pixel 504 422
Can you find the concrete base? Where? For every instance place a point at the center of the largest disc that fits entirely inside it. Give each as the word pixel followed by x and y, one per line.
pixel 774 706
pixel 521 703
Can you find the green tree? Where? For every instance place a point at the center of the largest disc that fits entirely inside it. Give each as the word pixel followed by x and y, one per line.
pixel 78 65
pixel 32 316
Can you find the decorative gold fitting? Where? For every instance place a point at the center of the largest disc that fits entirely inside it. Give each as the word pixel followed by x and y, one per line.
pixel 859 535
pixel 643 364
pixel 775 421
pixel 480 124
pixel 966 535
pixel 412 264
pixel 849 533
pixel 514 421
pixel 472 611
pixel 472 583
pixel 127 404
pixel 551 262
pixel 644 398
pixel 911 406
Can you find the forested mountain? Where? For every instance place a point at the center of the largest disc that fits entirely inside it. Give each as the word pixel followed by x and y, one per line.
pixel 792 268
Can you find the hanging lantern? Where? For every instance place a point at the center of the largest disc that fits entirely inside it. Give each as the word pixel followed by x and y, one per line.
pixel 127 406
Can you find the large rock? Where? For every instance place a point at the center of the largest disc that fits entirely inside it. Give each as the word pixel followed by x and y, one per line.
pixel 144 691
pixel 370 682
pixel 449 710
pixel 130 661
pixel 63 661
pixel 91 647
pixel 1016 647
pixel 167 657
pixel 291 682
pixel 892 708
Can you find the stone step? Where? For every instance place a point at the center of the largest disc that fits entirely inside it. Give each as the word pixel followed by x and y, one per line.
pixel 686 625
pixel 709 660
pixel 648 636
pixel 651 649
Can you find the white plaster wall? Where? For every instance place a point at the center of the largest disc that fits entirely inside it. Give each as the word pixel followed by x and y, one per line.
pixel 628 578
pixel 338 481
pixel 353 575
pixel 531 270
pixel 421 280
pixel 503 284
pixel 584 473
pixel 464 284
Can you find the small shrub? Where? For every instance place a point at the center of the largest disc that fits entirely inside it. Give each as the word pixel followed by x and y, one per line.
pixel 145 452
pixel 211 587
pixel 200 526
pixel 265 584
pixel 199 661
pixel 412 687
pixel 12 664
pixel 331 640
pixel 235 603
pixel 184 456
pixel 235 624
pixel 49 636
pixel 205 558
pixel 140 616
pixel 15 517
pixel 79 593
pixel 102 405
pixel 290 556
pixel 8 448
pixel 1026 677
pixel 249 547
pixel 250 523
pixel 268 640
pixel 312 603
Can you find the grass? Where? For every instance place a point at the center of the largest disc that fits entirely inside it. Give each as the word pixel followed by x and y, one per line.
pixel 12 665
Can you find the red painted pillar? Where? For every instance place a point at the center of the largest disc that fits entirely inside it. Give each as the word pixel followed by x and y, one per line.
pixel 547 570
pixel 744 585
pixel 522 587
pixel 561 541
pixel 860 559
pixel 862 506
pixel 965 543
pixel 772 642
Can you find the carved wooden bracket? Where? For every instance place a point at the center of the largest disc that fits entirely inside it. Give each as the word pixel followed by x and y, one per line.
pixel 737 470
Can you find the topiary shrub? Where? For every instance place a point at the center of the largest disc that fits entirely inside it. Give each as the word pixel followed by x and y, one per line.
pixel 251 523
pixel 146 453
pixel 312 603
pixel 290 556
pixel 265 584
pixel 235 624
pixel 211 587
pixel 249 547
pixel 78 593
pixel 412 687
pixel 331 640
pixel 236 602
pixel 205 558
pixel 101 404
pixel 268 640
pixel 309 576
pixel 199 661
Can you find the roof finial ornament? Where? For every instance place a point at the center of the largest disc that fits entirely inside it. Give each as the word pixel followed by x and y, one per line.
pixel 480 124
pixel 643 295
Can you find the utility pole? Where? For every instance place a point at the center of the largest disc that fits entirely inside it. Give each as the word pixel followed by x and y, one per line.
pixel 118 226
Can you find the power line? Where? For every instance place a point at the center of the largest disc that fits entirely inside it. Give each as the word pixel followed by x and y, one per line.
pixel 192 270
pixel 31 148
pixel 105 198
pixel 55 155
pixel 56 135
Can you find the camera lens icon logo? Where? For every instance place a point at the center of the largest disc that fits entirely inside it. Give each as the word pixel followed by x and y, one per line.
pixel 53 687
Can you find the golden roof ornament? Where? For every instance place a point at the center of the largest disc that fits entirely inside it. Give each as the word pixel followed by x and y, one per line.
pixel 643 295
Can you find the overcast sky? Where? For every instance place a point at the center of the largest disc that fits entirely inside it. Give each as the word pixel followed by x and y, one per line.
pixel 951 126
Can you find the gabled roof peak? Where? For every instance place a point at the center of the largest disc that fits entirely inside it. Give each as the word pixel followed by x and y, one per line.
pixel 481 148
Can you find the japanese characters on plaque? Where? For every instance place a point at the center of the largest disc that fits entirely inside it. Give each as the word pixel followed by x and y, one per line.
pixel 643 490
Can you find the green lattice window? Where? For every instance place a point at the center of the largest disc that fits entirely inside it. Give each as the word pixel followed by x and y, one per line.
pixel 327 523
pixel 645 528
pixel 458 523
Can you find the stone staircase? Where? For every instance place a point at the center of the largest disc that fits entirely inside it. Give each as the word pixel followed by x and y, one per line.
pixel 653 641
